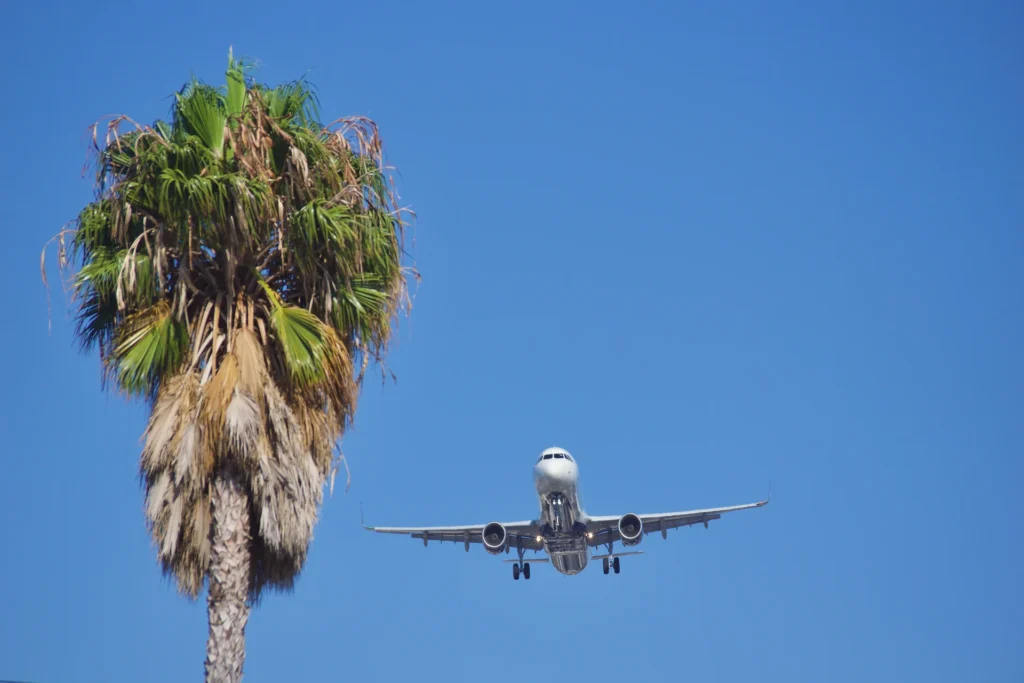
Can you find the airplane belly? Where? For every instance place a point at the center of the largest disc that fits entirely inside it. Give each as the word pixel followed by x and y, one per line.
pixel 569 563
pixel 568 555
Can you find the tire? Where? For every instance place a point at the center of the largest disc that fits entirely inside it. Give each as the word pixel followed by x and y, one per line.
pixel 604 565
pixel 615 565
pixel 515 572
pixel 526 571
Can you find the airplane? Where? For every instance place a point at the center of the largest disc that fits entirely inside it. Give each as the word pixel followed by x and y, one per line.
pixel 563 530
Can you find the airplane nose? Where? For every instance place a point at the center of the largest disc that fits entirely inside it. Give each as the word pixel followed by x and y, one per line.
pixel 558 470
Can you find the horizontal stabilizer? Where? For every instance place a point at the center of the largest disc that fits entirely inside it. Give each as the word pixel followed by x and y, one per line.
pixel 530 560
pixel 611 555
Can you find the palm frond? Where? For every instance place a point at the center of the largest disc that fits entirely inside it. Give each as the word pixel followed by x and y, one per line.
pixel 96 322
pixel 176 474
pixel 325 229
pixel 235 101
pixel 364 308
pixel 148 344
pixel 202 113
pixel 300 336
pixel 94 228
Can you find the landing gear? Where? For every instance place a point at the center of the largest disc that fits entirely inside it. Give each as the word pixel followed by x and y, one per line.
pixel 520 567
pixel 614 563
pixel 523 569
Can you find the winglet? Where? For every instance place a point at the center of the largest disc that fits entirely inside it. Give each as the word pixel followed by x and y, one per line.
pixel 769 490
pixel 361 522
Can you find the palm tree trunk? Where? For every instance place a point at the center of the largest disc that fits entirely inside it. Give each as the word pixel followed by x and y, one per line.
pixel 229 578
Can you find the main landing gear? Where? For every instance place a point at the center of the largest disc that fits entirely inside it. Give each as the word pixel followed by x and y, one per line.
pixel 614 563
pixel 520 567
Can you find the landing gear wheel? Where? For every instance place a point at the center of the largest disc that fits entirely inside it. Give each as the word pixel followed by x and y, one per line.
pixel 604 565
pixel 515 572
pixel 526 571
pixel 615 565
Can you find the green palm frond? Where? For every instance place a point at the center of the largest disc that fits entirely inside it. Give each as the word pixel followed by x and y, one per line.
pixel 188 154
pixel 96 321
pixel 204 195
pixel 93 227
pixel 108 268
pixel 301 338
pixel 148 344
pixel 294 103
pixel 165 131
pixel 320 225
pixel 235 100
pixel 203 114
pixel 363 308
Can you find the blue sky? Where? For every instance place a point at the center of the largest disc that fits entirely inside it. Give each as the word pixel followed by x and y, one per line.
pixel 697 244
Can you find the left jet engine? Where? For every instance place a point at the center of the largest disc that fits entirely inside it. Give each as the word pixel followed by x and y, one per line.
pixel 631 529
pixel 495 538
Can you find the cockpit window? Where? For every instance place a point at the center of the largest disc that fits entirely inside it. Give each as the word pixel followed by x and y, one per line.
pixel 549 456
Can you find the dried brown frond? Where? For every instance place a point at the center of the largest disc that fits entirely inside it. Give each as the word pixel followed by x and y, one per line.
pixel 177 483
pixel 252 363
pixel 217 397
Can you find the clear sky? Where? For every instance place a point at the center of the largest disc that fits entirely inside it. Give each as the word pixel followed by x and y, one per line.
pixel 698 244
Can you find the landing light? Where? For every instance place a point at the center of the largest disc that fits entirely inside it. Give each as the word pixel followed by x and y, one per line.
pixel 590 534
pixel 540 539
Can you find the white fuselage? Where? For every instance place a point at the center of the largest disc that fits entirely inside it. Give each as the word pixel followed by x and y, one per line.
pixel 563 522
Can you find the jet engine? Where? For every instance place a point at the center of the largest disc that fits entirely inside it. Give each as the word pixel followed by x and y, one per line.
pixel 495 538
pixel 631 529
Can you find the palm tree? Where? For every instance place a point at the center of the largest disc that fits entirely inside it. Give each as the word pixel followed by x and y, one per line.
pixel 239 267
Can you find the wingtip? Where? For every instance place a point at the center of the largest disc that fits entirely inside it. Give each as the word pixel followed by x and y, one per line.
pixel 362 523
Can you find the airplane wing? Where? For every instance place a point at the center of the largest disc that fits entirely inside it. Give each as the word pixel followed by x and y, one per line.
pixel 520 534
pixel 602 530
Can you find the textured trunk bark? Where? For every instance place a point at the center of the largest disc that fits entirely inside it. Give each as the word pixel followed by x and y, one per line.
pixel 227 604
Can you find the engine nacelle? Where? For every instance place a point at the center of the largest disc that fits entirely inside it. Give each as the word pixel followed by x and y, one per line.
pixel 631 529
pixel 495 538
